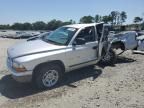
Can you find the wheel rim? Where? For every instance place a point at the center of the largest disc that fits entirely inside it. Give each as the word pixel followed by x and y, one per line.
pixel 50 78
pixel 106 58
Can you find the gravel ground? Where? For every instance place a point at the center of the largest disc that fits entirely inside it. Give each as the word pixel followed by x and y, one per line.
pixel 118 86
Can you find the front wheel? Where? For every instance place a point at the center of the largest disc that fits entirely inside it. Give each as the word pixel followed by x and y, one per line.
pixel 109 58
pixel 47 76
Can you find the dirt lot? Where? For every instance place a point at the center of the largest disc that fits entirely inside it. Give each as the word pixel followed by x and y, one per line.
pixel 119 86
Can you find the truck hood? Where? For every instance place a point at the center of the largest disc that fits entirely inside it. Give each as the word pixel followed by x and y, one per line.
pixel 32 47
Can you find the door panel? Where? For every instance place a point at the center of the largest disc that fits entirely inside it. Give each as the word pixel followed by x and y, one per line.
pixel 102 31
pixel 131 41
pixel 81 54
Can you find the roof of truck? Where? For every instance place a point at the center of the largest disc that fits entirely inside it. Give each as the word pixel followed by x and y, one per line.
pixel 82 25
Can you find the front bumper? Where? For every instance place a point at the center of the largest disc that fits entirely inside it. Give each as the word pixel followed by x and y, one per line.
pixel 20 77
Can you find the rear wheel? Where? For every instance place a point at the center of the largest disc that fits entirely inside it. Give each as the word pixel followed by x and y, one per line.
pixel 109 58
pixel 47 76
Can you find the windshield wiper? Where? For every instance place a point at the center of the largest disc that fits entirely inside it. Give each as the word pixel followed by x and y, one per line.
pixel 53 42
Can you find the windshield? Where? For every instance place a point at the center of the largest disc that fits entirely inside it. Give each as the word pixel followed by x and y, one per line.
pixel 61 36
pixel 44 34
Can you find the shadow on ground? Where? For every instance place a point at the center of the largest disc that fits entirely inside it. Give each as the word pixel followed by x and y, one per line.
pixel 119 60
pixel 13 90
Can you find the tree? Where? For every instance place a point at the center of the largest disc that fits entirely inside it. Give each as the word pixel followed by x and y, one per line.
pixel 113 15
pixel 98 18
pixel 142 26
pixel 87 19
pixel 39 25
pixel 54 24
pixel 5 26
pixel 27 26
pixel 117 17
pixel 106 19
pixel 17 26
pixel 123 17
pixel 21 26
pixel 72 21
pixel 69 22
pixel 138 19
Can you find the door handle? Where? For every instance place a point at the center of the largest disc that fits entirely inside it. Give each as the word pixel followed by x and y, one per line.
pixel 95 47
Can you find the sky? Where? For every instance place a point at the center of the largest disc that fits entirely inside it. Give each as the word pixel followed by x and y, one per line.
pixel 12 11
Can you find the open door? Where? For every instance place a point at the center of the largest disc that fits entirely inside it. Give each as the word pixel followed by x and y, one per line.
pixel 102 32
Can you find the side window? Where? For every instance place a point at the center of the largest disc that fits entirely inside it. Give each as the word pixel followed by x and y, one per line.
pixel 88 34
pixel 99 30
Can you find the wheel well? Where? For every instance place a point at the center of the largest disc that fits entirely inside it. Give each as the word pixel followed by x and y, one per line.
pixel 118 45
pixel 55 62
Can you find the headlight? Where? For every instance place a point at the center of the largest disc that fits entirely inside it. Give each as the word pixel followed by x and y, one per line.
pixel 18 67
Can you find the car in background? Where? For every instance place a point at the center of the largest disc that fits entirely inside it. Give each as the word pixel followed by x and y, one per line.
pixel 8 36
pixel 3 31
pixel 140 46
pixel 3 36
pixel 35 33
pixel 124 40
pixel 140 33
pixel 39 36
pixel 23 35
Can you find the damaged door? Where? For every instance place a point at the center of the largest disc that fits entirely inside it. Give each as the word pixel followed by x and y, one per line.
pixel 105 53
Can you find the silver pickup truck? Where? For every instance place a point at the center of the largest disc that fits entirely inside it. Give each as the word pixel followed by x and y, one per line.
pixel 44 61
pixel 125 40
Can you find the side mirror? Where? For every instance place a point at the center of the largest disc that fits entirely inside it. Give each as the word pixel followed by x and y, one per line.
pixel 79 41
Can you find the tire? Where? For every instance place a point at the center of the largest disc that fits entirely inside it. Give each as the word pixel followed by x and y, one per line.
pixel 47 76
pixel 109 58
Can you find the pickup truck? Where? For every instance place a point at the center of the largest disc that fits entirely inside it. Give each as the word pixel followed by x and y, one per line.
pixel 140 47
pixel 45 60
pixel 125 40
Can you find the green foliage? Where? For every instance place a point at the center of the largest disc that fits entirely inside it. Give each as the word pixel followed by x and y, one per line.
pixel 39 25
pixel 138 19
pixel 87 19
pixel 5 26
pixel 106 19
pixel 118 17
pixel 17 26
pixel 115 18
pixel 54 24
pixel 27 26
pixel 98 18
pixel 113 15
pixel 142 26
pixel 123 16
